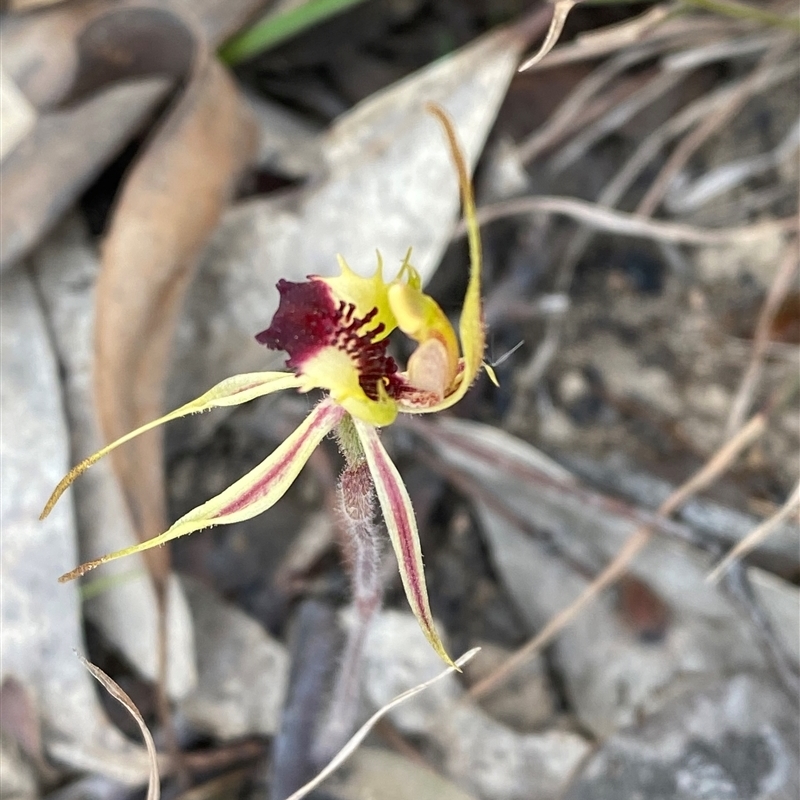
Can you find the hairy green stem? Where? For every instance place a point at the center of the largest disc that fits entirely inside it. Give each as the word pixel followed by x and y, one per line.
pixel 361 546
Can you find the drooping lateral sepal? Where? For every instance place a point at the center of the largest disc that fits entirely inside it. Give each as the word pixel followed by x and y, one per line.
pixel 398 513
pixel 252 494
pixel 230 392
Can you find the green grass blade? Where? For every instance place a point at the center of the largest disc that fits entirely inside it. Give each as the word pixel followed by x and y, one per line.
pixel 275 28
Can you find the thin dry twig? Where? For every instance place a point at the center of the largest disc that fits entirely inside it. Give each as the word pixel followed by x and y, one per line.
pixel 652 145
pixel 781 284
pixel 658 27
pixel 619 222
pixel 652 91
pixel 361 733
pixel 762 79
pixel 114 689
pixel 738 588
pixel 709 473
pixel 574 105
pixel 758 534
pixel 712 123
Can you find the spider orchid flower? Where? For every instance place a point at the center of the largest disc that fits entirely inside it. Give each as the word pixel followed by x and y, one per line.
pixel 335 332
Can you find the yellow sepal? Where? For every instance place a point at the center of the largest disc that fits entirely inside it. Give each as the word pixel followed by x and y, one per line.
pixel 365 294
pixel 230 392
pixel 470 328
pixel 251 495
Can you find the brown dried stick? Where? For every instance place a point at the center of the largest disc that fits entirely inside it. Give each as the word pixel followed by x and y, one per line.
pixel 689 145
pixel 709 473
pixel 651 26
pixel 780 286
pixel 662 83
pixel 574 105
pixel 620 222
pixel 758 534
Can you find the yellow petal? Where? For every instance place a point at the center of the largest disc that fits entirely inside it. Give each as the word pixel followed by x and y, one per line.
pixel 252 494
pixel 401 523
pixel 230 392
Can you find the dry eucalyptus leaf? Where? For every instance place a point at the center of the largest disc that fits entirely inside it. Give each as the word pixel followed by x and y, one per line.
pixel 735 738
pixel 586 525
pixel 381 773
pixel 126 610
pixel 40 620
pixel 171 201
pixel 61 156
pixel 17 115
pixel 486 758
pixel 70 62
pixel 243 671
pixel 41 52
pixel 596 651
pixel 611 675
pixel 61 58
pixel 388 184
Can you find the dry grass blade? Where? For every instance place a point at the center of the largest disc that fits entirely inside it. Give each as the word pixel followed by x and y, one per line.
pixel 713 468
pixel 633 30
pixel 757 535
pixel 778 290
pixel 113 688
pixel 684 151
pixel 575 105
pixel 652 26
pixel 619 222
pixel 361 733
pixel 641 99
pixel 649 149
pixel 560 14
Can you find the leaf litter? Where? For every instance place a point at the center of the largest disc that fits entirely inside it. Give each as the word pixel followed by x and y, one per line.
pixel 361 195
